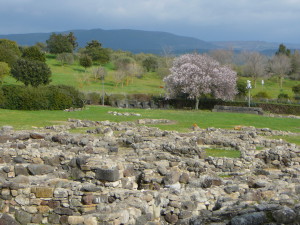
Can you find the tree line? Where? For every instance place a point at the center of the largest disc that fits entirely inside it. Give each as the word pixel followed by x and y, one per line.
pixel 28 64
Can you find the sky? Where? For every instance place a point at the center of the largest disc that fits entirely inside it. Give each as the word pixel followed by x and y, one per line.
pixel 208 20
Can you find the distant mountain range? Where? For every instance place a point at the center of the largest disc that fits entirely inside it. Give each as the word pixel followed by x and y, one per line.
pixel 138 41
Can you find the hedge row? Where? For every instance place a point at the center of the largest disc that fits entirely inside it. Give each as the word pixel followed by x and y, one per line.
pixel 52 97
pixel 207 103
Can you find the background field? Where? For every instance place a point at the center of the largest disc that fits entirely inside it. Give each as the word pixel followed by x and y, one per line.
pixel 149 83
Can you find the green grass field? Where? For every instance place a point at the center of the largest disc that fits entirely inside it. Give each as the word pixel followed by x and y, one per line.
pixel 271 86
pixel 182 120
pixel 149 83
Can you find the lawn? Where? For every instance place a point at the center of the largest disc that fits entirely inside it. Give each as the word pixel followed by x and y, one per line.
pixel 271 86
pixel 182 120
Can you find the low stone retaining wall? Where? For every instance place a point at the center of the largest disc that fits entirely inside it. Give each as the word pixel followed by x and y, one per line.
pixel 235 109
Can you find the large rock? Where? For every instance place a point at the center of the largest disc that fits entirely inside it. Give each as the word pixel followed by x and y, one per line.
pixel 110 175
pixel 7 220
pixel 23 217
pixel 284 216
pixel 256 218
pixel 39 169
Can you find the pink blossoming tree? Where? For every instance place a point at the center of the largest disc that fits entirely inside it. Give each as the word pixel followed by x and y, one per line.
pixel 197 75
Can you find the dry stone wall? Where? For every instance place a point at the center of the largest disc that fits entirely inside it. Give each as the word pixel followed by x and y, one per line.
pixel 128 173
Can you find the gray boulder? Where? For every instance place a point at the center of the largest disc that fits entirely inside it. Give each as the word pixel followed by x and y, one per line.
pixel 250 219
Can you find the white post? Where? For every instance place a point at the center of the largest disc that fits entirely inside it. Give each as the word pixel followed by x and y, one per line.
pixel 249 87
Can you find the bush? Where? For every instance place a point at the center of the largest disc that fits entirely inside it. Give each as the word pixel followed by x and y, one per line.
pixel 241 86
pixel 32 73
pixel 115 97
pixel 283 96
pixel 261 94
pixel 296 89
pixel 93 98
pixel 41 98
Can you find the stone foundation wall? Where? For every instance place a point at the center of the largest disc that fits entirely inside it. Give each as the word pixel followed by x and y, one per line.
pixel 235 109
pixel 128 173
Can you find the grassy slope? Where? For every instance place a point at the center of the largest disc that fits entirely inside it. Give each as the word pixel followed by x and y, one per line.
pixel 76 76
pixel 183 120
pixel 150 83
pixel 272 87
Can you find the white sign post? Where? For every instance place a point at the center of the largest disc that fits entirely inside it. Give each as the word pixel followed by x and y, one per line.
pixel 249 87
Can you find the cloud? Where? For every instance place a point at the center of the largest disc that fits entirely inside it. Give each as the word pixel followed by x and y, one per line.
pixel 185 17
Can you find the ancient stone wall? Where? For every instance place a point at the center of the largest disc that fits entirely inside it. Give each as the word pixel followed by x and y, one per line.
pixel 127 173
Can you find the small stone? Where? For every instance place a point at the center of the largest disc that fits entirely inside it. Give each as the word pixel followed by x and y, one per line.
pixel 184 178
pixel 44 192
pixel 7 220
pixel 171 218
pixel 91 221
pixel 22 200
pixel 43 209
pixel 54 219
pixel 73 220
pixel 63 211
pixel 37 136
pixel 88 199
pixel 23 217
pixel 21 170
pixel 37 218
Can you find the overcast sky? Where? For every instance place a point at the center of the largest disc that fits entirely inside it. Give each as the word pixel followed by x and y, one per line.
pixel 209 20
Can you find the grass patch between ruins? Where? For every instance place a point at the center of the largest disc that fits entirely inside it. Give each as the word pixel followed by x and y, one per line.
pixel 215 152
pixel 290 139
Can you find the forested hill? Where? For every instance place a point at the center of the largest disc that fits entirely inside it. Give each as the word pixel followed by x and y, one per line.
pixel 129 40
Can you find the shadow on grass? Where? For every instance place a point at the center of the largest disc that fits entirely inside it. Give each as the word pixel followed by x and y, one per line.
pixel 79 70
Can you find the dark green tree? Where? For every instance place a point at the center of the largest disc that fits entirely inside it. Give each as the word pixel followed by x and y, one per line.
pixel 9 51
pixel 150 64
pixel 85 61
pixel 34 53
pixel 96 52
pixel 42 46
pixel 73 40
pixel 282 50
pixel 59 43
pixel 30 72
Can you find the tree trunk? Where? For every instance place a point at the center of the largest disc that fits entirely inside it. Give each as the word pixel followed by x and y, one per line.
pixel 280 80
pixel 197 103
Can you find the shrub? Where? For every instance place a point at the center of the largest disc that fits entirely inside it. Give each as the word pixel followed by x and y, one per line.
pixel 115 97
pixel 241 86
pixel 93 98
pixel 41 98
pixel 76 96
pixel 34 53
pixel 296 89
pixel 261 94
pixel 283 96
pixel 32 73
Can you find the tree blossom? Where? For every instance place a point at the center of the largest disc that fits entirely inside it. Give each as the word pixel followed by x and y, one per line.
pixel 196 75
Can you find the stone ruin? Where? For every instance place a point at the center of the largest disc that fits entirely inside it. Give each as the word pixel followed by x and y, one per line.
pixel 128 173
